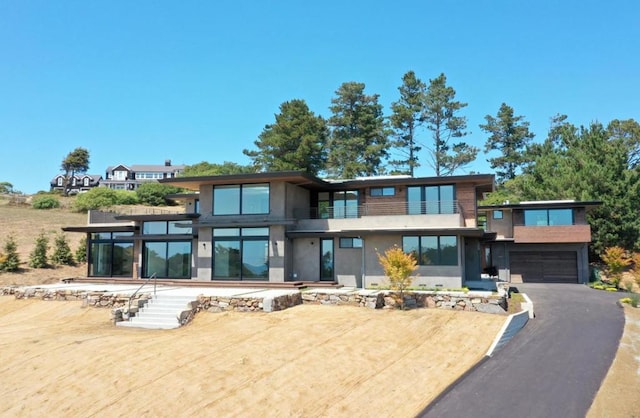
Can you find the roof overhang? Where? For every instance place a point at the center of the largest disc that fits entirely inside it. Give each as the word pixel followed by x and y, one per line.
pixel 544 204
pixel 100 228
pixel 299 178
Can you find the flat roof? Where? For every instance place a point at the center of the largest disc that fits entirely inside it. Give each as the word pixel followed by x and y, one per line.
pixel 310 181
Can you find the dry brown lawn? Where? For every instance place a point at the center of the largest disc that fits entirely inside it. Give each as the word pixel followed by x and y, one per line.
pixel 59 359
pixel 619 395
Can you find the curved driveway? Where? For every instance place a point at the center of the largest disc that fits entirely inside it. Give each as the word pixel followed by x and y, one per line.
pixel 552 368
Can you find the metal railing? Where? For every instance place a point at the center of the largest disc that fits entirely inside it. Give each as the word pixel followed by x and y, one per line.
pixel 435 207
pixel 155 283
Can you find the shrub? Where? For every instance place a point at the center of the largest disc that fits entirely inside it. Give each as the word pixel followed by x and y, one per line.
pixel 635 300
pixel 9 259
pixel 45 201
pixel 398 266
pixel 124 197
pixel 81 251
pixel 96 198
pixel 38 258
pixel 616 260
pixel 154 194
pixel 62 253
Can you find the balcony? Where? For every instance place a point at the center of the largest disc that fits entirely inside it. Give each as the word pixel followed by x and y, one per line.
pixel 391 215
pixel 447 207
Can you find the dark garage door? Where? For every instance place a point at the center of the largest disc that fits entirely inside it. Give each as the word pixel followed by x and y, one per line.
pixel 544 267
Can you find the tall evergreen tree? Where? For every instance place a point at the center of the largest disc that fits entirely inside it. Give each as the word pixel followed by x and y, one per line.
pixel 296 141
pixel 77 161
pixel 510 136
pixel 407 117
pixel 359 144
pixel 441 119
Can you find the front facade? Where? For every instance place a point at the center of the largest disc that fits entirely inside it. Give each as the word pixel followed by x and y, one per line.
pixel 291 226
pixel 122 177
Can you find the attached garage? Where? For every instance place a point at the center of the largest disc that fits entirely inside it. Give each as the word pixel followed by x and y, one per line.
pixel 544 266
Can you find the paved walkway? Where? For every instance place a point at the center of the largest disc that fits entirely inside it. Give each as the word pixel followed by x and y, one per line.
pixel 552 368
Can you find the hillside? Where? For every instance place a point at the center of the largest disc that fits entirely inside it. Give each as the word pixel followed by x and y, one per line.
pixel 25 224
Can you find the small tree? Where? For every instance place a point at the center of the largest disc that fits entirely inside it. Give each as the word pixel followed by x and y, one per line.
pixel 38 258
pixel 616 260
pixel 398 266
pixel 62 253
pixel 9 259
pixel 81 251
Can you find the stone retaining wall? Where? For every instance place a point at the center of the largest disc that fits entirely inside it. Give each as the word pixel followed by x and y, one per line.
pixel 414 299
pixel 247 304
pixel 97 299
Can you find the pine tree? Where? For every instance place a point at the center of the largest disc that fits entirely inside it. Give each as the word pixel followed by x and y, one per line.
pixel 359 142
pixel 62 253
pixel 9 259
pixel 407 117
pixel 81 251
pixel 441 118
pixel 38 258
pixel 510 135
pixel 296 141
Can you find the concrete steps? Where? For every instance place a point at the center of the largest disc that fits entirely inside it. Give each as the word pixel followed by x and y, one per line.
pixel 161 312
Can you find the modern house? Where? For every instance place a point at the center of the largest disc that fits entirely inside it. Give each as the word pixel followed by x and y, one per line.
pixel 77 183
pixel 124 177
pixel 291 226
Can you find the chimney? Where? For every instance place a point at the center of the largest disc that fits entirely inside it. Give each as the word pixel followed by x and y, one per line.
pixel 167 163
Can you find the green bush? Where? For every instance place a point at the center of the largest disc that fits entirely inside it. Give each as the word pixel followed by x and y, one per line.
pixel 62 253
pixel 96 198
pixel 124 197
pixel 45 201
pixel 81 251
pixel 154 194
pixel 38 258
pixel 9 258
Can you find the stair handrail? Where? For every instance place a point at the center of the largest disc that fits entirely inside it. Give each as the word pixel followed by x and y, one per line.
pixel 155 283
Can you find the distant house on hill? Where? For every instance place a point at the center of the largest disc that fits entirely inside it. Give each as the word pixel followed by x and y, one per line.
pixel 124 177
pixel 78 183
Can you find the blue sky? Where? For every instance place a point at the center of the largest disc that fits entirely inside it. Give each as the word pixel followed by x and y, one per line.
pixel 138 82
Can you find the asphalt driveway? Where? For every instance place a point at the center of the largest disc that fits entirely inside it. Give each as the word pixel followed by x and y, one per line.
pixel 552 368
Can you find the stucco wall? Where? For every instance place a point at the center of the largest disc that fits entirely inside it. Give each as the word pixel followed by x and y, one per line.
pixel 306 259
pixel 448 277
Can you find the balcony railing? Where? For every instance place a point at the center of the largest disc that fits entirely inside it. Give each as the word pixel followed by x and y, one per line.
pixel 443 207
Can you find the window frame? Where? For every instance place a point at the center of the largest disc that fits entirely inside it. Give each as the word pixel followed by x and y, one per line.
pixel 383 191
pixel 350 242
pixel 239 201
pixel 240 236
pixel 440 249
pixel 548 217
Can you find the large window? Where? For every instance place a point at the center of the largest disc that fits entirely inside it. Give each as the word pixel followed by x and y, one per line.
pixel 548 217
pixel 167 259
pixel 431 199
pixel 345 204
pixel 436 250
pixel 243 199
pixel 241 253
pixel 110 254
